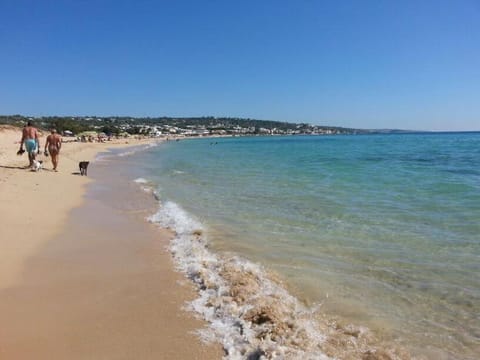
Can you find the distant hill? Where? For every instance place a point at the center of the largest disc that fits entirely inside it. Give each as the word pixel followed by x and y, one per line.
pixel 192 126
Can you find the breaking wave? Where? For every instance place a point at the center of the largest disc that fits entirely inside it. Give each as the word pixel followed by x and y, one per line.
pixel 141 181
pixel 250 312
pixel 124 152
pixel 136 149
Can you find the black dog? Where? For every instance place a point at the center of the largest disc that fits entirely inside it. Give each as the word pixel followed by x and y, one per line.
pixel 83 165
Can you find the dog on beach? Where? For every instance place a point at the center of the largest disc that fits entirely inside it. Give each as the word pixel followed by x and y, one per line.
pixel 37 165
pixel 83 166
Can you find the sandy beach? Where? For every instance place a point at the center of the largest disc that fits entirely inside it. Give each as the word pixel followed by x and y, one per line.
pixel 78 281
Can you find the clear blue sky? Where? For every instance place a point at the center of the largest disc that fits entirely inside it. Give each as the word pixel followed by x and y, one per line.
pixel 366 64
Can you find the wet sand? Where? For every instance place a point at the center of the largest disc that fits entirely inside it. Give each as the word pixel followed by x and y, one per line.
pixel 96 283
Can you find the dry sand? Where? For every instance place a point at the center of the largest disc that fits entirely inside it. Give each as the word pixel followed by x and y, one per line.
pixel 65 294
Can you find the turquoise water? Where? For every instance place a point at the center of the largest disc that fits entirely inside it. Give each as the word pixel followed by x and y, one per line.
pixel 382 230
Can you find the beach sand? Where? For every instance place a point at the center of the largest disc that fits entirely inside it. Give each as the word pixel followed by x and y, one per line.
pixel 78 280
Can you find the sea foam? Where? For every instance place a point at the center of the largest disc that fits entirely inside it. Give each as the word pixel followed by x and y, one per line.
pixel 136 149
pixel 141 181
pixel 249 311
pixel 251 315
pixel 124 152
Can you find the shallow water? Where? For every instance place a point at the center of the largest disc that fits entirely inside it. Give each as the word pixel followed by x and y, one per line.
pixel 382 230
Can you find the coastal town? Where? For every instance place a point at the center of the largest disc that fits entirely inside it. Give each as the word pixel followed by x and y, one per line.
pixel 178 127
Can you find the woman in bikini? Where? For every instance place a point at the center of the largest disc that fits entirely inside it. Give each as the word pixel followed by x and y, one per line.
pixel 53 144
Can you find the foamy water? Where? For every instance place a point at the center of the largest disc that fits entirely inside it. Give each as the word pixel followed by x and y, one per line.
pixel 136 149
pixel 375 233
pixel 125 152
pixel 141 181
pixel 249 313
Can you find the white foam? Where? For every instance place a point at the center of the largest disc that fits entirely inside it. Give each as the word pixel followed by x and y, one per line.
pixel 290 333
pixel 172 216
pixel 141 181
pixel 136 149
pixel 101 157
pixel 125 152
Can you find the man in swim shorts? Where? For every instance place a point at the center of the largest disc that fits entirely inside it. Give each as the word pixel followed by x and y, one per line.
pixel 30 139
pixel 53 144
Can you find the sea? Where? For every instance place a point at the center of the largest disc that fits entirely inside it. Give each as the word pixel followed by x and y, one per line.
pixel 322 247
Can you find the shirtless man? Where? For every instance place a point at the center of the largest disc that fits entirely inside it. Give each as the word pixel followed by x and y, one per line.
pixel 53 144
pixel 30 138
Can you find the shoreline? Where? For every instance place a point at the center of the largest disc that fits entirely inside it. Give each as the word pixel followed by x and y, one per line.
pixel 35 205
pixel 125 189
pixel 67 294
pixel 249 307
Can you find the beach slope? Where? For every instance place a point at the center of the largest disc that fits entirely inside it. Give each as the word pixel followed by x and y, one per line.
pixel 75 281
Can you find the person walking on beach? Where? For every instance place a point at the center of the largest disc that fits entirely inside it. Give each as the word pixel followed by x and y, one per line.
pixel 53 144
pixel 30 139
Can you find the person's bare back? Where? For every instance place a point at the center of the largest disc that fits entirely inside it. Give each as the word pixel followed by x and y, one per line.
pixel 53 144
pixel 31 142
pixel 29 132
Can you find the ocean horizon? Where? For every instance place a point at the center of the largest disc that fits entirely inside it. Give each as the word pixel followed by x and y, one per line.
pixel 377 234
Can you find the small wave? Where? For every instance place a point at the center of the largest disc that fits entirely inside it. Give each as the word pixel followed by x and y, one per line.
pixel 130 151
pixel 135 149
pixel 148 187
pixel 127 153
pixel 141 181
pixel 101 157
pixel 249 312
pixel 172 216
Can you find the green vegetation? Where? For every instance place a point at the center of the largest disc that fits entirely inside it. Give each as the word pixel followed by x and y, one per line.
pixel 189 126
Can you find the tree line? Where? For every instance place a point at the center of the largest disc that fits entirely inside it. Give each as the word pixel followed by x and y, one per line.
pixel 113 124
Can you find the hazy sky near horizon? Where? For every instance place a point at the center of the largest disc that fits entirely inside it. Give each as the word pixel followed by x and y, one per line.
pixel 364 64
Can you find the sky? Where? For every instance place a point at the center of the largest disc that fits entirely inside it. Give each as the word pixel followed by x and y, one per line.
pixel 362 64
